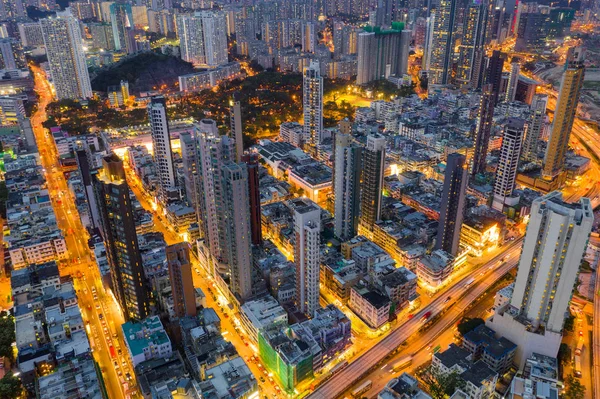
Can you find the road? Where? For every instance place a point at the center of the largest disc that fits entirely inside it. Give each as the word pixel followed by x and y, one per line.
pixel 462 296
pixel 596 341
pixel 80 265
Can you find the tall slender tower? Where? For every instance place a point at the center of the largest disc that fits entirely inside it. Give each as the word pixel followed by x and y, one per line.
pixel 120 238
pixel 494 72
pixel 307 249
pixel 536 125
pixel 203 38
pixel 506 173
pixel 373 167
pixel 442 43
pixel 121 19
pixel 348 167
pixel 235 115
pixel 405 38
pixel 68 69
pixel 470 51
pixel 251 161
pixel 161 144
pixel 427 46
pixel 312 102
pixel 180 275
pixel 564 113
pixel 484 128
pixel 453 204
pixel 188 158
pixel 513 80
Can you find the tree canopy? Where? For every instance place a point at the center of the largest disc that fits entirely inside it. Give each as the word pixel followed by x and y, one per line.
pixel 468 324
pixel 10 387
pixel 440 385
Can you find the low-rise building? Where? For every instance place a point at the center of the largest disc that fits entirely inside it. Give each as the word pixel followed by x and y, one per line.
pixel 404 387
pixel 146 340
pixel 230 379
pixel 400 286
pixel 315 180
pixel 434 269
pixel 180 216
pixel 74 378
pixel 542 368
pixel 498 354
pixel 260 313
pixel 371 306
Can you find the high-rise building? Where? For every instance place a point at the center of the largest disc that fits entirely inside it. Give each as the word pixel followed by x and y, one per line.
pixel 494 72
pixel 161 144
pixel 405 39
pixel 188 158
pixel 484 128
pixel 7 54
pixel 442 44
pixel 203 38
pixel 384 13
pixel 180 275
pixel 555 243
pixel 536 126
pixel 453 204
pixel 235 224
pixel 513 80
pixel 564 113
pixel 120 238
pixel 307 250
pixel 470 51
pixel 506 172
pixel 312 104
pixel 121 19
pixel 235 122
pixel 531 29
pixel 379 53
pixel 251 161
pixel 66 59
pixel 428 42
pixel 348 168
pixel 372 183
pixel 309 36
pixel 85 171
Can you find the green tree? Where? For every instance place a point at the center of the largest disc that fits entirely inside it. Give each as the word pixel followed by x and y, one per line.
pixel 468 324
pixel 573 388
pixel 3 199
pixel 7 335
pixel 441 385
pixel 10 387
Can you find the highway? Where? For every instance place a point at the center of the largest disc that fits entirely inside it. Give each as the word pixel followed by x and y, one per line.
pixel 352 374
pixel 596 342
pixel 80 265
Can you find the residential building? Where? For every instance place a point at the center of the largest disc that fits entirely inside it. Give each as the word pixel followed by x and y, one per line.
pixel 373 168
pixel 484 128
pixel 146 339
pixel 66 60
pixel 380 52
pixel 161 144
pixel 348 170
pixel 260 313
pixel 120 238
pixel 235 123
pixel 307 249
pixel 471 49
pixel 203 38
pixel 506 172
pixel 535 317
pixel 404 387
pixel 536 126
pixel 442 44
pixel 312 106
pixel 121 19
pixel 75 378
pixel 251 161
pixel 434 269
pixel 498 354
pixel 371 306
pixel 180 276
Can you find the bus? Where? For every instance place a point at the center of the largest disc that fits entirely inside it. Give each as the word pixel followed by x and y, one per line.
pixel 364 387
pixel 400 364
pixel 338 367
pixel 577 369
pixel 469 282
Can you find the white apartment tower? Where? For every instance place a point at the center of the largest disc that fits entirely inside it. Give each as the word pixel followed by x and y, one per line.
pixel 348 168
pixel 506 173
pixel 161 143
pixel 536 125
pixel 513 80
pixel 307 249
pixel 66 59
pixel 555 243
pixel 312 102
pixel 203 38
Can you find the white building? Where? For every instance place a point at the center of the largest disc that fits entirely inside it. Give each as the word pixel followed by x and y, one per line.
pixel 506 173
pixel 203 38
pixel 68 69
pixel 348 169
pixel 161 144
pixel 371 306
pixel 260 313
pixel 307 251
pixel 555 242
pixel 312 102
pixel 146 340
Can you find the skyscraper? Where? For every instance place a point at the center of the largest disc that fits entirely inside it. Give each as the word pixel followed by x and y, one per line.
pixel 428 42
pixel 513 80
pixel 120 238
pixel 66 59
pixel 442 44
pixel 373 167
pixel 348 168
pixel 235 119
pixel 564 113
pixel 180 275
pixel 484 128
pixel 536 126
pixel 251 161
pixel 85 171
pixel 188 158
pixel 121 19
pixel 453 204
pixel 494 72
pixel 312 102
pixel 470 51
pixel 235 223
pixel 384 12
pixel 506 172
pixel 379 53
pixel 555 243
pixel 203 38
pixel 405 38
pixel 161 144
pixel 307 249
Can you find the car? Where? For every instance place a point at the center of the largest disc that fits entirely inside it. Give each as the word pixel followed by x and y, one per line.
pixel 100 316
pixel 448 299
pixel 262 379
pixel 115 363
pixel 580 333
pixel 98 306
pixel 410 316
